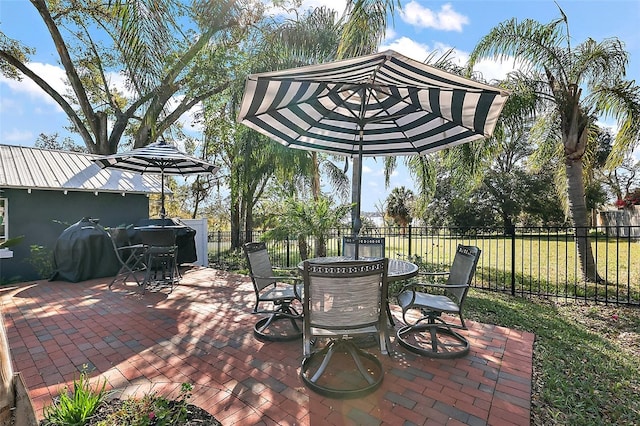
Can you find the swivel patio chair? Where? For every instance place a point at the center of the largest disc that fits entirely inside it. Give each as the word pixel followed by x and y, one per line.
pixel 130 256
pixel 278 293
pixel 431 335
pixel 161 255
pixel 367 247
pixel 342 302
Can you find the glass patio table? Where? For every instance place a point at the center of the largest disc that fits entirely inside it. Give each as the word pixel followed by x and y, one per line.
pixel 397 269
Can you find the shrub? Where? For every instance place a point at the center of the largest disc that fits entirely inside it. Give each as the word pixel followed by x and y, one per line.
pixel 75 408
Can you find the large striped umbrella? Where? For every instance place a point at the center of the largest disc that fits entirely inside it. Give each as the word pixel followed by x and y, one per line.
pixel 157 158
pixel 375 105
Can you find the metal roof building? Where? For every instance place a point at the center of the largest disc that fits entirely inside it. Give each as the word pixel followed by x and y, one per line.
pixel 43 192
pixel 34 168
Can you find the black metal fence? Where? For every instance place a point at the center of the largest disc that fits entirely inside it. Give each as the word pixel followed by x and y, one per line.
pixel 526 261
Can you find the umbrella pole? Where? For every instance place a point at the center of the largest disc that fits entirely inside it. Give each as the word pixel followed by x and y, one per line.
pixel 162 211
pixel 356 193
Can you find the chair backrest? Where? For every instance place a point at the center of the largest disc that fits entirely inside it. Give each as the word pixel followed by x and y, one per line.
pixel 120 237
pixel 367 246
pixel 158 237
pixel 462 270
pixel 260 268
pixel 345 295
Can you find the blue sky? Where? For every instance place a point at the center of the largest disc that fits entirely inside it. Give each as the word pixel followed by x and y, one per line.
pixel 418 29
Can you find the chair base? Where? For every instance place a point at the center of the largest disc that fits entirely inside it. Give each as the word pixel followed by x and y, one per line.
pixel 365 376
pixel 264 329
pixel 433 340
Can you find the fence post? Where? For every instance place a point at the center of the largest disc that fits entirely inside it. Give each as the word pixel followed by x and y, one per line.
pixel 513 262
pixel 219 244
pixel 410 240
pixel 288 252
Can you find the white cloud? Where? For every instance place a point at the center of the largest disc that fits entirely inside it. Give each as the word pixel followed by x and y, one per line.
pixel 52 74
pixel 488 69
pixel 494 70
pixel 338 5
pixel 408 47
pixel 445 19
pixel 16 135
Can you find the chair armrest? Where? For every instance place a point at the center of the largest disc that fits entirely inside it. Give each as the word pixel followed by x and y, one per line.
pixel 417 285
pixel 434 274
pixel 278 277
pixel 434 285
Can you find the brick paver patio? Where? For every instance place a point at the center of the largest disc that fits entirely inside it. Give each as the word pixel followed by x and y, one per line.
pixel 201 333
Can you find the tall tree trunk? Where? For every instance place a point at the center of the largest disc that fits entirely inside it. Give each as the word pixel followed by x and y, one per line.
pixel 248 224
pixel 321 246
pixel 578 208
pixel 235 213
pixel 303 247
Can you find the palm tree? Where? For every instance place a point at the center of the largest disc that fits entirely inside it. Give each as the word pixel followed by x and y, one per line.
pixel 399 206
pixel 309 218
pixel 573 85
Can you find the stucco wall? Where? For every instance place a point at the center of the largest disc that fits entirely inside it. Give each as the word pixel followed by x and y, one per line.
pixel 41 216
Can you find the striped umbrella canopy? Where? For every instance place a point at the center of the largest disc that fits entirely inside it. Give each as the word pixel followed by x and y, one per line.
pixel 374 105
pixel 158 158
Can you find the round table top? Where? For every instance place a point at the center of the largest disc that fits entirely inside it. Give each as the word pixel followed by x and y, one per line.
pixel 397 269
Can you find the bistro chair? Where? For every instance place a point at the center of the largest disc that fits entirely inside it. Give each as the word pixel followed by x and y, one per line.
pixel 367 247
pixel 431 335
pixel 342 302
pixel 275 294
pixel 161 255
pixel 130 256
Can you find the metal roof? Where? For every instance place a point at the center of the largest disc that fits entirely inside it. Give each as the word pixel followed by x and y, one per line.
pixel 36 168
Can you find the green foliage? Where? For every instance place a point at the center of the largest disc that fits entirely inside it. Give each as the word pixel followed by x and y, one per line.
pixel 11 242
pixel 41 258
pixel 400 205
pixel 308 218
pixel 152 409
pixel 76 407
pixel 230 260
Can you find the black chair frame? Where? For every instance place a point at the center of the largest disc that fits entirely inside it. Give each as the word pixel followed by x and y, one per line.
pixel 337 313
pixel 278 291
pixel 430 335
pixel 130 256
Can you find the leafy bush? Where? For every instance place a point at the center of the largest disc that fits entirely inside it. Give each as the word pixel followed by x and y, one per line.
pixel 41 259
pixel 151 409
pixel 75 408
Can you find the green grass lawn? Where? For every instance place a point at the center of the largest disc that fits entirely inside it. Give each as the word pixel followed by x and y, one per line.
pixel 586 356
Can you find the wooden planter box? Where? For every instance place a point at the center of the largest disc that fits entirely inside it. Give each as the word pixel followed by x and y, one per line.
pixel 19 411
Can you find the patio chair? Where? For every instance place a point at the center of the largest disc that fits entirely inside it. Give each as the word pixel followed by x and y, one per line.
pixel 161 255
pixel 130 256
pixel 367 246
pixel 277 292
pixel 343 301
pixel 430 334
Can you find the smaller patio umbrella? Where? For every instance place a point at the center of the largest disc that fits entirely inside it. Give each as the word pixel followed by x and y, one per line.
pixel 158 158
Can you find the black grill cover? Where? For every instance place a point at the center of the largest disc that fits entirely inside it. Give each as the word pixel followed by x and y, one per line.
pixel 185 237
pixel 84 251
